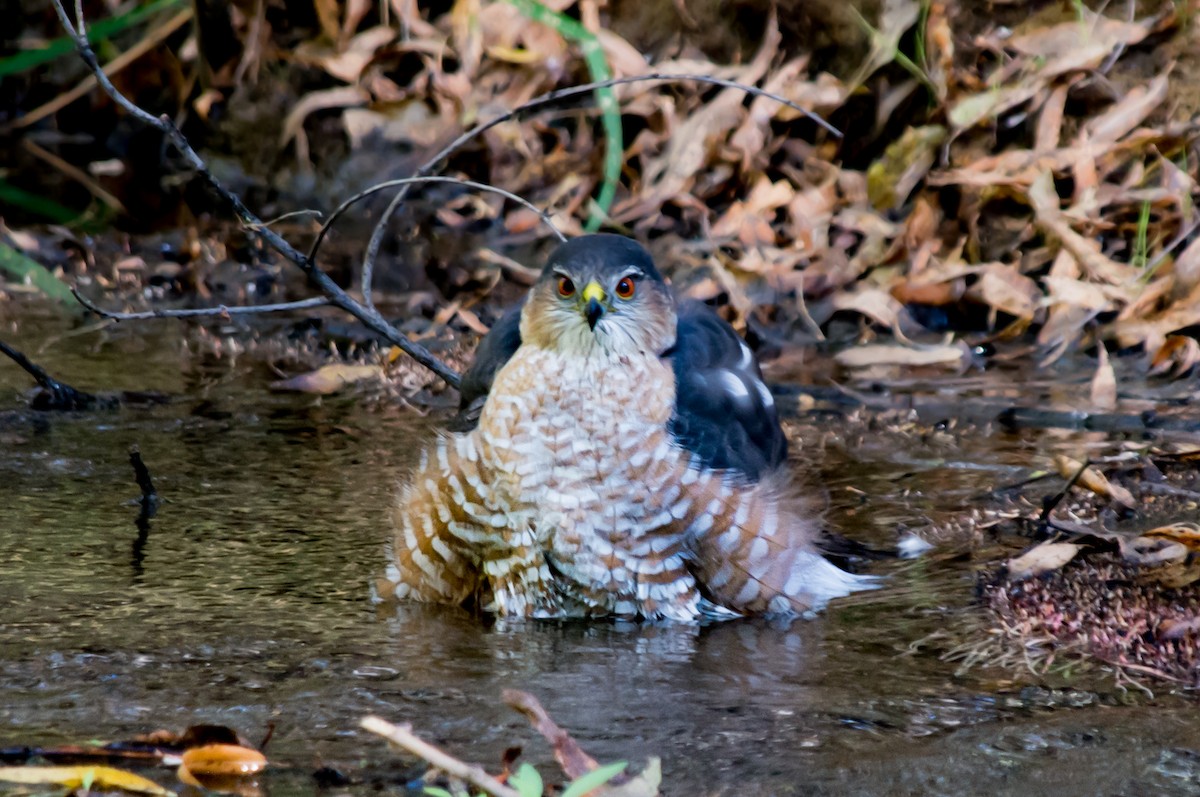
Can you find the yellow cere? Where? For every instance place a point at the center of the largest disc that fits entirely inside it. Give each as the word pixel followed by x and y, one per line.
pixel 593 291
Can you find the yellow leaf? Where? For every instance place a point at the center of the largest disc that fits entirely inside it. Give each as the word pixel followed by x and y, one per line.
pixel 329 378
pixel 74 777
pixel 514 55
pixel 1093 480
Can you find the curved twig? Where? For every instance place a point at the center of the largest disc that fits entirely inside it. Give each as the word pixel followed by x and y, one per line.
pixel 408 181
pixel 222 311
pixel 550 98
pixel 402 736
pixel 368 315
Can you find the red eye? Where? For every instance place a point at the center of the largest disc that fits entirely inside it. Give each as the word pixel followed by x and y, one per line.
pixel 625 288
pixel 566 287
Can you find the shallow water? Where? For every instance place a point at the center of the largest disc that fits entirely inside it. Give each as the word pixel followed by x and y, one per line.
pixel 250 603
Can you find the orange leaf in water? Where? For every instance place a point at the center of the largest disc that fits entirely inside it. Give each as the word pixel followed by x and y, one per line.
pixel 223 760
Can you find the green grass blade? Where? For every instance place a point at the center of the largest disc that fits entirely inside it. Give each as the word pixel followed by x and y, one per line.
pixel 23 268
pixel 33 203
pixel 594 779
pixel 527 781
pixel 56 48
pixel 606 100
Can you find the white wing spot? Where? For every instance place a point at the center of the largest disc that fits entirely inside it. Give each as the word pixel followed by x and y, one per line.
pixel 764 393
pixel 747 358
pixel 734 386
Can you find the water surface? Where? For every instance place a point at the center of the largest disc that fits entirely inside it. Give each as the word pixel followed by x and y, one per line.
pixel 250 602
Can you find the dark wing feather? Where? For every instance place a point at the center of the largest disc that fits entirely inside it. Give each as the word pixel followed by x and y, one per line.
pixel 500 343
pixel 723 411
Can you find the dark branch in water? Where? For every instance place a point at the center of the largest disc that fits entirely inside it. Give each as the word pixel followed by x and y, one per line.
pixel 1050 503
pixel 149 504
pixel 220 311
pixel 145 484
pixel 548 99
pixel 336 296
pixel 54 395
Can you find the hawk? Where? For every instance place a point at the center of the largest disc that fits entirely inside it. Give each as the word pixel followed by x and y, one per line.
pixel 621 457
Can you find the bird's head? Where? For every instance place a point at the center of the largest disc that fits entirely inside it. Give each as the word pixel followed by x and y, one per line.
pixel 600 293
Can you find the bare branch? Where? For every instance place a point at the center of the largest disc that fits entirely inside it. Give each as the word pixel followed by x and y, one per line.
pixel 408 181
pixel 369 316
pixel 474 774
pixel 551 98
pixel 221 311
pixel 57 395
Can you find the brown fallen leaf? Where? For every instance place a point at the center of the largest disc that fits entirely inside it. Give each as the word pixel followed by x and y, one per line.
pixel 1087 251
pixel 874 303
pixel 1153 551
pixel 223 759
pixel 1043 558
pixel 328 379
pixel 1177 629
pixel 1104 384
pixel 1093 480
pixel 81 777
pixel 1178 355
pixel 1184 532
pixel 889 354
pixel 1003 287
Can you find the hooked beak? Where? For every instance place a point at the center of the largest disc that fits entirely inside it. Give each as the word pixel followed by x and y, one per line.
pixel 593 295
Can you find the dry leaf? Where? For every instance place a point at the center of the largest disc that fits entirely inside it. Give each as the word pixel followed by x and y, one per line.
pixel 1049 215
pixel 1041 559
pixel 1004 288
pixel 1104 383
pixel 874 303
pixel 1178 354
pixel 329 378
pixel 76 777
pixel 888 354
pixel 1093 480
pixel 1153 551
pixel 1128 113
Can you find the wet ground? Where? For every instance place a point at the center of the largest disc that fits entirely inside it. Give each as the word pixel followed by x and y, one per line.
pixel 250 603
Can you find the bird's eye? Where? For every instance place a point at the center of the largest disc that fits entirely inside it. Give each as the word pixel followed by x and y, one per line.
pixel 625 288
pixel 566 287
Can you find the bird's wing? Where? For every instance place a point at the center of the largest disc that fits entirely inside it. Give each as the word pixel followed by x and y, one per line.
pixel 500 344
pixel 724 413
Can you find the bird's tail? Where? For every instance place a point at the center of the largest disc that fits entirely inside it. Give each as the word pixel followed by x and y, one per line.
pixel 760 555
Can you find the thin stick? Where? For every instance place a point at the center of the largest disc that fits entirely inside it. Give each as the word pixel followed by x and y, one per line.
pixel 369 316
pixel 75 173
pixel 221 311
pixel 551 98
pixel 403 736
pixel 408 181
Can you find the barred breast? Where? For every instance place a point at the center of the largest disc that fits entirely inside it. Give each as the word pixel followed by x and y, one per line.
pixel 572 499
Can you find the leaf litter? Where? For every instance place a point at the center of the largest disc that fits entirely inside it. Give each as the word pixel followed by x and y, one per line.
pixel 1016 196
